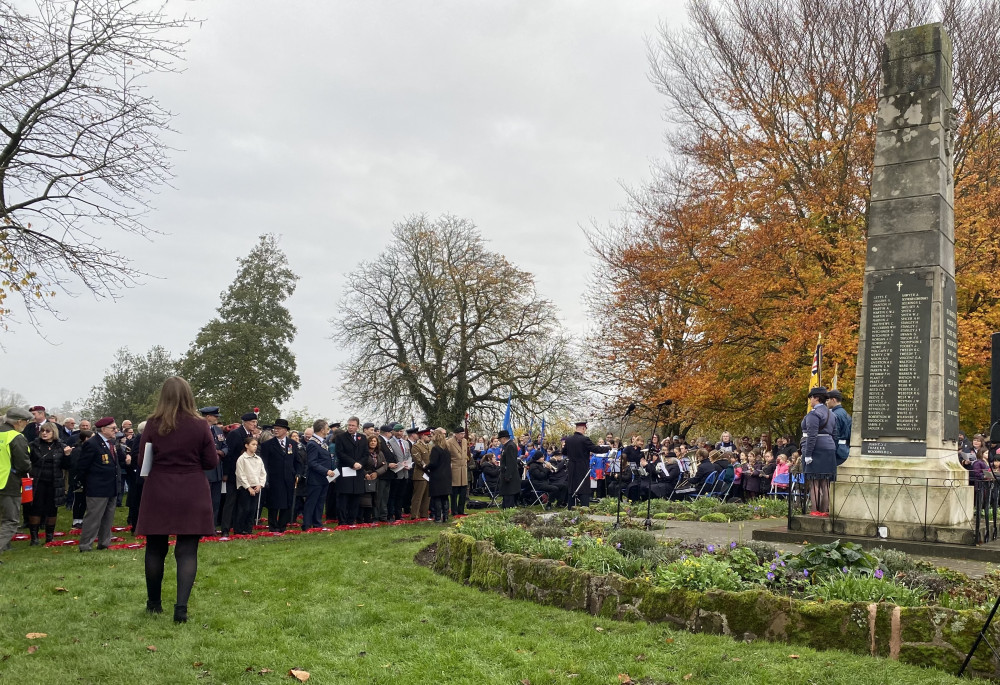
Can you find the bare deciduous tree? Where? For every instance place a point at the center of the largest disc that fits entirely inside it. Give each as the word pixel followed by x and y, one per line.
pixel 440 324
pixel 81 145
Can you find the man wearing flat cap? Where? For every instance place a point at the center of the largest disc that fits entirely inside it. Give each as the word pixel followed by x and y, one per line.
pixel 214 475
pixel 99 469
pixel 235 442
pixel 14 465
pixel 577 450
pixel 458 448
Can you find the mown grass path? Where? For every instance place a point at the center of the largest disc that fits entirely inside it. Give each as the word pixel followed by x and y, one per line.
pixel 354 607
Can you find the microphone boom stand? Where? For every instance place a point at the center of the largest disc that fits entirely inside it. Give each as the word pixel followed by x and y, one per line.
pixel 621 434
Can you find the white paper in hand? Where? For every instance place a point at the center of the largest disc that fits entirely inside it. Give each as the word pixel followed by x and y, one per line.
pixel 147 460
pixel 427 478
pixel 335 476
pixel 347 472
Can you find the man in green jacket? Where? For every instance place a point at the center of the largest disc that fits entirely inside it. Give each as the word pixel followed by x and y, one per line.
pixel 14 465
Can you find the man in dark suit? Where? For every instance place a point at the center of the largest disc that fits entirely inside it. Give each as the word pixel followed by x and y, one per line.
pixel 320 470
pixel 510 471
pixel 214 475
pixel 352 452
pixel 279 455
pixel 382 508
pixel 99 469
pixel 234 444
pixel 39 417
pixel 577 451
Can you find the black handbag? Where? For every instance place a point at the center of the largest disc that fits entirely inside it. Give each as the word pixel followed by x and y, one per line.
pixel 371 486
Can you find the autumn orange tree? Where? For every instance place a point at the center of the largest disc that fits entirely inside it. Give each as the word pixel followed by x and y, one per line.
pixel 750 241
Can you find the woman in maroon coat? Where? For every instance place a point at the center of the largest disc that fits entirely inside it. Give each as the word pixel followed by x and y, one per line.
pixel 176 499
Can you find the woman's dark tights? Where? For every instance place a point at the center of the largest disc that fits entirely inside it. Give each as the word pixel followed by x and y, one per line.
pixel 186 555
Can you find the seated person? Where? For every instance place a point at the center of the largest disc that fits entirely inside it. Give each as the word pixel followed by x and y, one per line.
pixel 540 472
pixel 491 472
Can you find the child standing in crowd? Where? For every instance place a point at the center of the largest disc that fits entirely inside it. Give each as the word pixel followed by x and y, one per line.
pixel 250 480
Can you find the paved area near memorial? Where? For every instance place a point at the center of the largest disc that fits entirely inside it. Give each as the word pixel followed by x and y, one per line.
pixel 724 533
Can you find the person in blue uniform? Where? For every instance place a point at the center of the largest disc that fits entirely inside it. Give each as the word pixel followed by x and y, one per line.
pixel 99 469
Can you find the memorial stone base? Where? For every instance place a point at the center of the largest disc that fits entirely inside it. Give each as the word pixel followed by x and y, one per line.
pixel 891 501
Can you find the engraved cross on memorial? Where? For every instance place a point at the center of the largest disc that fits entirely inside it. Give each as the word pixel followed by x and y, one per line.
pixel 906 389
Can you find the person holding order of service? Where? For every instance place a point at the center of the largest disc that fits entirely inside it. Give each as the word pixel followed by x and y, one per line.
pixel 176 498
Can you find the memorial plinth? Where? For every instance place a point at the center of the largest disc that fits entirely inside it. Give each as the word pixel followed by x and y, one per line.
pixel 903 479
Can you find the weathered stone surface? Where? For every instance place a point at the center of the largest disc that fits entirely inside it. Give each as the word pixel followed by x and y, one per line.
pixel 919 40
pixel 925 636
pixel 909 179
pixel 911 215
pixel 922 72
pixel 908 110
pixel 916 143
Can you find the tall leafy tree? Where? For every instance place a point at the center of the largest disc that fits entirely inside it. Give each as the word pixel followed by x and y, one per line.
pixel 752 240
pixel 241 358
pixel 131 385
pixel 443 326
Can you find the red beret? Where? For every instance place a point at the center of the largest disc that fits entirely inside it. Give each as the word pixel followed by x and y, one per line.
pixel 37 407
pixel 106 421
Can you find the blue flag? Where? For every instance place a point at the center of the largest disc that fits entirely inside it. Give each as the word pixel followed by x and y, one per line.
pixel 506 419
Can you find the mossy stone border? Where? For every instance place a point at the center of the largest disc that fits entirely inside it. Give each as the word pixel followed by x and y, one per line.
pixel 923 636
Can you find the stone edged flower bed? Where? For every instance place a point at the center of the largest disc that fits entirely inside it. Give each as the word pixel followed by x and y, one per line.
pixel 924 636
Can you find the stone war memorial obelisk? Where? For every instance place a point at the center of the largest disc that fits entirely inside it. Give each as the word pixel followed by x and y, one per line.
pixel 903 479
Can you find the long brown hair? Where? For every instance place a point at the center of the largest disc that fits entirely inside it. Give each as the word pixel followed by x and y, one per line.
pixel 176 400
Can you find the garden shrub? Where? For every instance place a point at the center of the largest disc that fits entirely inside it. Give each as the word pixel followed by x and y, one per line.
pixel 744 561
pixel 715 517
pixel 512 539
pixel 604 559
pixel 851 587
pixel 933 583
pixel 523 517
pixel 549 548
pixel 547 528
pixel 631 541
pixel 894 561
pixel 687 516
pixel 698 573
pixel 834 558
pixel 661 555
pixel 765 551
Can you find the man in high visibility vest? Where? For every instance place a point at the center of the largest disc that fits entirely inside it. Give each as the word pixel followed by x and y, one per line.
pixel 14 464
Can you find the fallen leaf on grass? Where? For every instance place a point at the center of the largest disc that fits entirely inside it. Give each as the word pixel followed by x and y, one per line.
pixel 264 671
pixel 793 656
pixel 197 664
pixel 688 676
pixel 362 653
pixel 246 592
pixel 572 675
pixel 599 629
pixel 299 674
pixel 640 657
pixel 32 649
pixel 525 681
pixel 35 636
pixel 625 679
pixel 670 640
pixel 61 589
pixel 151 648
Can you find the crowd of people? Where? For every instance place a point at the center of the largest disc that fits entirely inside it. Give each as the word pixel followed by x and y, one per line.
pixel 183 473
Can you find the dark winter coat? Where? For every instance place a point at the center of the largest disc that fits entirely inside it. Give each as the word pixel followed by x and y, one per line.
pixel 99 467
pixel 48 461
pixel 439 468
pixel 510 470
pixel 176 499
pixel 280 464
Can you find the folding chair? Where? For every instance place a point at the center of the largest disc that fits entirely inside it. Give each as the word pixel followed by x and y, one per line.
pixel 779 486
pixel 486 486
pixel 707 486
pixel 531 496
pixel 724 483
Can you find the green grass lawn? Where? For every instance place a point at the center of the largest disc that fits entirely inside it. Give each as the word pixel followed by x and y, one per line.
pixel 354 607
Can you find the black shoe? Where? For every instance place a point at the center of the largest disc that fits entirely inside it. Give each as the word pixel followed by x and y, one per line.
pixel 102 547
pixel 153 607
pixel 180 613
pixel 86 550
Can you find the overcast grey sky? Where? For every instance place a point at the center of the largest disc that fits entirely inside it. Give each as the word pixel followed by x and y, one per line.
pixel 327 122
